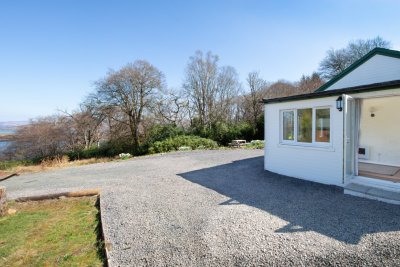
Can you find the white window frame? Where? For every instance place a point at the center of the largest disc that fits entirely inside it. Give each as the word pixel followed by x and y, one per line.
pixel 315 125
pixel 283 141
pixel 313 142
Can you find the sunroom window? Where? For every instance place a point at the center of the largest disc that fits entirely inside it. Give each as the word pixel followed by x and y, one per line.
pixel 288 125
pixel 306 126
pixel 322 125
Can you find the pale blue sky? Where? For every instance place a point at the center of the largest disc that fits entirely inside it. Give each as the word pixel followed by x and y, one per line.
pixel 52 51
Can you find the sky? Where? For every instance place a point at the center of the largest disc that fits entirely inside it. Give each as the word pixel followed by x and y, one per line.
pixel 51 52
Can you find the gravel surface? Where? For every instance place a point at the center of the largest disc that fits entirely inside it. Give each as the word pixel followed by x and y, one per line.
pixel 220 208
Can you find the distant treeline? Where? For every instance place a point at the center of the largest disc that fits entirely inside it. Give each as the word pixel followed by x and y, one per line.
pixel 131 108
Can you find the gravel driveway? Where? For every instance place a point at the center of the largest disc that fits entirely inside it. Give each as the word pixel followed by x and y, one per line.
pixel 220 208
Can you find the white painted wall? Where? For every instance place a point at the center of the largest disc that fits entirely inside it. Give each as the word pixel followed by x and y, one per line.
pixel 377 69
pixel 320 164
pixel 381 133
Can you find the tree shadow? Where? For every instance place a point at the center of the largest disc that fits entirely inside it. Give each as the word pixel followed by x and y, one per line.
pixel 306 206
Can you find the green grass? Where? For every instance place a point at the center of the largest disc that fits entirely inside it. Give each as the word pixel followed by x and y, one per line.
pixel 52 233
pixel 8 165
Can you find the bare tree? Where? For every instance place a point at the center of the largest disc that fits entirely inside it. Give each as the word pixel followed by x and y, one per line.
pixel 86 123
pixel 227 89
pixel 211 90
pixel 132 90
pixel 172 107
pixel 309 84
pixel 337 60
pixel 253 98
pixel 199 85
pixel 280 88
pixel 44 137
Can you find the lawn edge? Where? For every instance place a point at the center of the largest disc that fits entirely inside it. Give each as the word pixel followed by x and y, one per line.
pixel 69 194
pixel 107 244
pixel 72 194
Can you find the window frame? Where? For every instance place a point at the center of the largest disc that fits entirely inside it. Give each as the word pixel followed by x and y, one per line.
pixel 294 126
pixel 313 143
pixel 315 125
pixel 312 126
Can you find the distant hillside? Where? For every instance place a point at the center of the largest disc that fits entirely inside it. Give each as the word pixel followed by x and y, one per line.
pixel 10 125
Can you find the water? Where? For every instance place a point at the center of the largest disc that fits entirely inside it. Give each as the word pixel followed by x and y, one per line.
pixel 6 131
pixel 4 144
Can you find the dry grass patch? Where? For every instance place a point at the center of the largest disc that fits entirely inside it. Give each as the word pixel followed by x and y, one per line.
pixel 52 232
pixel 49 164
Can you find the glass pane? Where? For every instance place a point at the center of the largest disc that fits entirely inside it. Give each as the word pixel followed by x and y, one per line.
pixel 322 125
pixel 288 125
pixel 304 125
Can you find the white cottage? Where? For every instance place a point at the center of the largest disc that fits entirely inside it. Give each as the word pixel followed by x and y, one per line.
pixel 346 133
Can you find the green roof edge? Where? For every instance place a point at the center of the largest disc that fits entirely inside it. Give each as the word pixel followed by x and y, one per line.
pixel 373 52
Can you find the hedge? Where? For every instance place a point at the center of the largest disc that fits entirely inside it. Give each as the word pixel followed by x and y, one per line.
pixel 177 142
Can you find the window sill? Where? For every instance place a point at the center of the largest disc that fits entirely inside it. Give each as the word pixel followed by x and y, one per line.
pixel 320 147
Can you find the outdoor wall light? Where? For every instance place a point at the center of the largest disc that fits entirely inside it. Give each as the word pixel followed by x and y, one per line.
pixel 372 111
pixel 339 103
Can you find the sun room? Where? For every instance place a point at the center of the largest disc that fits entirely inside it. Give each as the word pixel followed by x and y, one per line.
pixel 346 132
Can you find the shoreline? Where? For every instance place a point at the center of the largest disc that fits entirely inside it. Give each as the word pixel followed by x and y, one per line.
pixel 6 137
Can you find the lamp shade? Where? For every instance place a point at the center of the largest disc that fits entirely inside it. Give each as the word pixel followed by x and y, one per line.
pixel 339 103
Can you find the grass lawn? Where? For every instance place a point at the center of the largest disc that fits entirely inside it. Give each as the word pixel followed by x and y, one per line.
pixel 52 232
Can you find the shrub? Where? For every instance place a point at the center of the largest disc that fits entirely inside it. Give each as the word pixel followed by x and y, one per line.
pixel 183 141
pixel 125 156
pixel 224 133
pixel 54 161
pixel 186 148
pixel 94 152
pixel 160 133
pixel 257 144
pixel 246 131
pixel 8 165
pixel 105 150
pixel 259 134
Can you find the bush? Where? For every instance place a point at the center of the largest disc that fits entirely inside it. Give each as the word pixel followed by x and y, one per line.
pixel 54 161
pixel 259 134
pixel 7 165
pixel 87 153
pixel 224 133
pixel 257 144
pixel 160 133
pixel 186 148
pixel 125 156
pixel 182 142
pixel 245 130
pixel 104 151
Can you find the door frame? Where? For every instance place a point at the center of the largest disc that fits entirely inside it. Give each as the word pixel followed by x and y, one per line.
pixel 351 131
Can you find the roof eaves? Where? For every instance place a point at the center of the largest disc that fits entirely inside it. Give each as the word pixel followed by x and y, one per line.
pixel 355 89
pixel 373 52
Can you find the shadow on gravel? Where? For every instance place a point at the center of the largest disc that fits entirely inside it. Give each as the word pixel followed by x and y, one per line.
pixel 306 206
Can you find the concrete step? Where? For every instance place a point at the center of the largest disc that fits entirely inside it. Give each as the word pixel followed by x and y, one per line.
pixel 381 193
